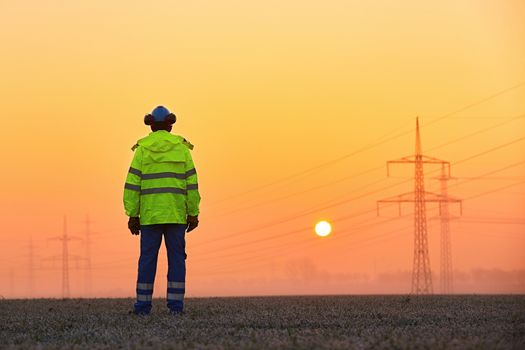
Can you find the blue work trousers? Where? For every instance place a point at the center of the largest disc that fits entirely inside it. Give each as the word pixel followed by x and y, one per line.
pixel 150 241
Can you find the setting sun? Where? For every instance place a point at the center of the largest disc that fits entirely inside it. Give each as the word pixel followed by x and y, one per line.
pixel 323 228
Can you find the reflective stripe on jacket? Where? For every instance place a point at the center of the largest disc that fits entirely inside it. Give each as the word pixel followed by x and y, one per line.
pixel 161 185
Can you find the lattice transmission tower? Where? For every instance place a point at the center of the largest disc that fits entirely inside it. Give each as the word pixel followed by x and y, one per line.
pixel 31 268
pixel 421 271
pixel 87 252
pixel 446 272
pixel 65 239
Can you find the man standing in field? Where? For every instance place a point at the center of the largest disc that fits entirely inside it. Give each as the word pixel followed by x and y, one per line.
pixel 161 197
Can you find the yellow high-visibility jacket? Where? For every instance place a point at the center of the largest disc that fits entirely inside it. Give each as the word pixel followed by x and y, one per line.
pixel 161 185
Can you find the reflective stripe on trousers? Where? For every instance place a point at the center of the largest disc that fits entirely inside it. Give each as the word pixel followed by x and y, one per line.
pixel 150 241
pixel 144 291
pixel 143 297
pixel 176 291
pixel 175 296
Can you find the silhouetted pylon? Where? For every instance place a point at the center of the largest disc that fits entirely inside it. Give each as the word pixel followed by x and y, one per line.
pixel 87 250
pixel 65 258
pixel 12 283
pixel 421 271
pixel 65 262
pixel 31 268
pixel 446 274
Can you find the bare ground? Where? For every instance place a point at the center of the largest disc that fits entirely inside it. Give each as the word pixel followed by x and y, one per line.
pixel 317 322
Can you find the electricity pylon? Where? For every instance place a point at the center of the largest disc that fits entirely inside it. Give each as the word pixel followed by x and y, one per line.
pixel 421 271
pixel 87 250
pixel 446 273
pixel 11 283
pixel 65 258
pixel 31 267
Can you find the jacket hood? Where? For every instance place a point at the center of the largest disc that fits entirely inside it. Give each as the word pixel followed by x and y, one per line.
pixel 160 141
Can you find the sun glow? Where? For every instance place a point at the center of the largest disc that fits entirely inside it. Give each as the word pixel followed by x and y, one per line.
pixel 323 228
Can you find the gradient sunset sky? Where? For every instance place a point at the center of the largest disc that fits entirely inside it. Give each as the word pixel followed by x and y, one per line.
pixel 294 107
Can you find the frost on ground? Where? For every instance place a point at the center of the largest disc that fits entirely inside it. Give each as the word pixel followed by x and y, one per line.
pixel 319 322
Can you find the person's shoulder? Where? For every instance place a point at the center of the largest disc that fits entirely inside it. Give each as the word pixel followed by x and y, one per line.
pixel 185 142
pixel 137 144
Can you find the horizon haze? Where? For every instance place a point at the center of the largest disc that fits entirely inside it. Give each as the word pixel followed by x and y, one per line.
pixel 294 109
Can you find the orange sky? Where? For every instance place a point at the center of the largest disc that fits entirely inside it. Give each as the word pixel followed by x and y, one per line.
pixel 265 90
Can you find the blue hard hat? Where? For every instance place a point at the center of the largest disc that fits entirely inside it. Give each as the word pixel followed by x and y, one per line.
pixel 160 113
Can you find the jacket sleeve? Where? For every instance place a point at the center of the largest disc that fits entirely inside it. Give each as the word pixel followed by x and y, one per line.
pixel 193 197
pixel 133 184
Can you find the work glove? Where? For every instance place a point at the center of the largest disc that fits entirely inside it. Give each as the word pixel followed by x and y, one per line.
pixel 134 225
pixel 193 222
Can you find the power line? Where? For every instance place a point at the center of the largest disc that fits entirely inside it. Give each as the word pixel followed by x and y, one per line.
pixel 492 221
pixel 345 201
pixel 489 173
pixel 380 141
pixel 352 215
pixel 340 235
pixel 304 244
pixel 315 209
pixel 360 225
pixel 306 171
pixel 273 200
pixel 336 220
pixel 477 132
pixel 492 149
pixel 276 247
pixel 301 230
